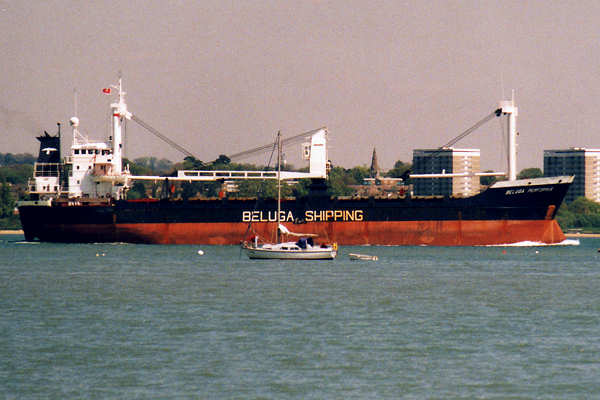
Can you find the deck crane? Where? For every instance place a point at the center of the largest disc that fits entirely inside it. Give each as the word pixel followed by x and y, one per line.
pixel 315 151
pixel 504 108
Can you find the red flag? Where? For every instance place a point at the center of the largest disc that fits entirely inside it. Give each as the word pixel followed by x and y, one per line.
pixel 106 90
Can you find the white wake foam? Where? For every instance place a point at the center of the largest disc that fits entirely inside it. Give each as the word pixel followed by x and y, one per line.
pixel 566 242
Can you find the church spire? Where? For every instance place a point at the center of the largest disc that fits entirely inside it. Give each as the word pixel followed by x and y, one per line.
pixel 374 165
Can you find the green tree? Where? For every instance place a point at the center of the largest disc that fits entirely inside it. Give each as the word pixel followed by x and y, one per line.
pixel 565 217
pixel 400 170
pixel 7 203
pixel 193 163
pixel 356 175
pixel 16 174
pixel 262 188
pixel 14 159
pixel 529 173
pixel 222 160
pixel 581 213
pixel 154 166
pixel 300 189
pixel 189 190
pixel 339 181
pixel 137 168
pixel 137 191
pixel 584 206
pixel 487 180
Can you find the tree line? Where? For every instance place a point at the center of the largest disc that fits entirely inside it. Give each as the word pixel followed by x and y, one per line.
pixel 340 180
pixel 15 159
pixel 17 169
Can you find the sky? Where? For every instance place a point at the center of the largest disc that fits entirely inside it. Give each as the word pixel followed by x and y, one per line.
pixel 221 77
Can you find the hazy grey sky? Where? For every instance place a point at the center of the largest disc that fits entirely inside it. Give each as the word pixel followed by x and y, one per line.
pixel 221 77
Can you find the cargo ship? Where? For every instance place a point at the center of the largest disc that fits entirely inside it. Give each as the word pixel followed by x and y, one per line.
pixel 82 198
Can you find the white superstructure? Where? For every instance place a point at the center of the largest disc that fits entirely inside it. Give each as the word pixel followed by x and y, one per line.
pixel 95 168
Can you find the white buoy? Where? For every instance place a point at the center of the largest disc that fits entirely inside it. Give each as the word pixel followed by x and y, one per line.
pixel 200 252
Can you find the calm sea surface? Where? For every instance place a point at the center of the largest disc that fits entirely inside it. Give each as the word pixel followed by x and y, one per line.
pixel 136 321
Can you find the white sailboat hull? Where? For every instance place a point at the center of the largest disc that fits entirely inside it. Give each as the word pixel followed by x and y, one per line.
pixel 289 251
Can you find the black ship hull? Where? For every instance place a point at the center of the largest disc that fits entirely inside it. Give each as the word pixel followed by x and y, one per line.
pixel 504 213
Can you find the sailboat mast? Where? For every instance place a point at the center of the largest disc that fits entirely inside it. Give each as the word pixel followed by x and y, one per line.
pixel 278 182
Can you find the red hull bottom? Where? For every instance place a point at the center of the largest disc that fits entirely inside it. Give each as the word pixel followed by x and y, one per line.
pixel 432 233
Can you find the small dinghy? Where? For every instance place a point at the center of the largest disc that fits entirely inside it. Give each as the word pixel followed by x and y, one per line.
pixel 362 257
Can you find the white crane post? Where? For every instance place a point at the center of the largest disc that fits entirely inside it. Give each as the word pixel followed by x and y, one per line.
pixel 318 153
pixel 508 107
pixel 119 110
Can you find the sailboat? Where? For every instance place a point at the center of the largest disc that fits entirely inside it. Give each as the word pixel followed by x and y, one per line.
pixel 302 249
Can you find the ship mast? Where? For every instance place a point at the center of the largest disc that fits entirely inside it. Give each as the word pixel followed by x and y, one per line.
pixel 506 107
pixel 278 183
pixel 119 111
pixel 74 121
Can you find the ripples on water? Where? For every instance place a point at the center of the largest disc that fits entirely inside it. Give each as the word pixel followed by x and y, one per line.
pixel 135 321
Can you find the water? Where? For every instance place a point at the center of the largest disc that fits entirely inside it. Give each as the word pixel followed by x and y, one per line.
pixel 135 321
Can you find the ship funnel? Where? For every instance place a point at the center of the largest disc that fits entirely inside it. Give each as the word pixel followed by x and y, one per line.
pixel 49 148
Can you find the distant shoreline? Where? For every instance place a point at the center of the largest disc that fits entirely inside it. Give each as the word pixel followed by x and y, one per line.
pixel 580 235
pixel 11 232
